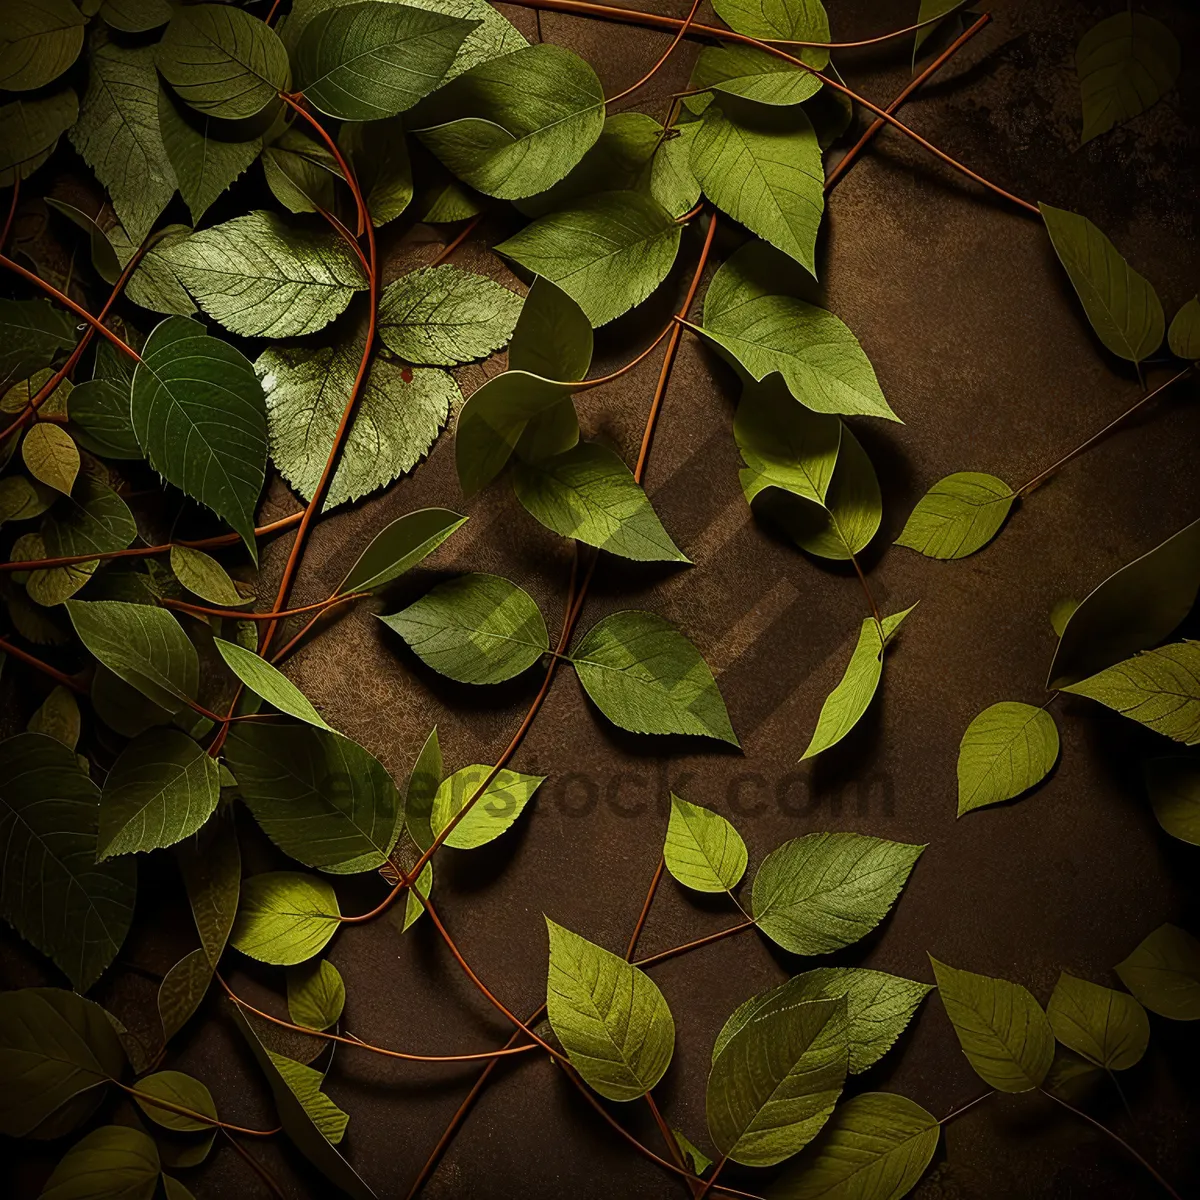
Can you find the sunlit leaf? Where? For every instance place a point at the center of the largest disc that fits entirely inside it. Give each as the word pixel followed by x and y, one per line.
pixel 316 994
pixel 611 1018
pixel 1164 973
pixel 702 849
pixel 444 315
pixel 753 74
pixel 475 629
pixel 52 891
pixel 399 546
pixel 1002 1029
pixel 824 891
pixel 422 789
pixel 203 576
pixel 162 789
pixel 51 456
pixel 269 682
pixel 1106 1027
pixel 284 918
pixel 1123 308
pixel 645 676
pixel 780 20
pixel 1006 750
pixel 495 811
pixel 958 515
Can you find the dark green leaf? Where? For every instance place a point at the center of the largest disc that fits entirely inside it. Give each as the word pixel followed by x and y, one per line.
pixel 589 494
pixel 198 414
pixel 29 131
pixel 301 172
pixel 135 16
pixel 397 547
pixel 492 814
pixel 1005 751
pixel 363 62
pixel 476 629
pixel 212 872
pixel 52 891
pixel 101 421
pixel 321 798
pixel 1133 609
pixel 1174 787
pixel 445 315
pixel 1184 335
pixel 1123 308
pixel 1002 1029
pixel 958 515
pixel 94 519
pixel 182 991
pixel 41 39
pixel 1106 1027
pixel 284 918
pixel 702 849
pixel 316 994
pixel 378 157
pixel 178 1089
pixel 58 717
pixel 824 891
pixel 645 676
pixel 162 789
pixel 112 1161
pixel 611 1018
pixel 222 61
pixel 32 332
pixel 57 1051
pixel 1164 973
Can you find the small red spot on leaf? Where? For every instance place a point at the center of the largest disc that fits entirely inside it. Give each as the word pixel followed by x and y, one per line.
pixel 406 374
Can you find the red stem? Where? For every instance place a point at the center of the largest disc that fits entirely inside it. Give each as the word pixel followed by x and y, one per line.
pixel 450 248
pixel 30 660
pixel 641 921
pixel 234 614
pixel 12 211
pixel 649 75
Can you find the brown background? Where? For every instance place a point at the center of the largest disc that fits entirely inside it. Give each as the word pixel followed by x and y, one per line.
pixel 983 351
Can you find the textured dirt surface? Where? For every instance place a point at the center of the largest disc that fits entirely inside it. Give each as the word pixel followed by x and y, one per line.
pixel 981 348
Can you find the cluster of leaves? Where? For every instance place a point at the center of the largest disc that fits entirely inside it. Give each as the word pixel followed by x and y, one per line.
pixel 276 345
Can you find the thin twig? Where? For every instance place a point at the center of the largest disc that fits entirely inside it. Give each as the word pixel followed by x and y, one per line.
pixel 184 1111
pixel 641 921
pixel 233 614
pixel 6 647
pixel 450 248
pixel 663 955
pixel 649 75
pixel 259 1169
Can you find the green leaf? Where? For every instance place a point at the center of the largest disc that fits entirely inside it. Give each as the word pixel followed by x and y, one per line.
pixel 878 1008
pixel 32 332
pixel 819 358
pixel 114 1160
pixel 100 419
pixel 143 645
pixel 475 629
pixel 396 419
pixel 135 16
pixel 316 994
pixel 94 519
pixel 58 717
pixel 753 74
pixel 119 138
pixel 702 849
pixel 1174 787
pixel 763 167
pixel 645 676
pixel 928 10
pixel 611 1018
pixel 160 790
pixel 301 173
pixel 269 682
pixel 182 991
pixel 212 872
pixel 492 37
pixel 364 62
pixel 178 1089
pixel 1184 335
pixel 1006 750
pixel 423 784
pixel 1106 1027
pixel 52 891
pixel 203 576
pixel 875 1146
pixel 155 284
pixel 445 315
pixel 378 157
pixel 57 1051
pixel 413 908
pixel 776 1080
pixel 632 153
pixel 496 810
pixel 780 20
pixel 22 500
pixel 1002 1029
pixel 51 455
pixel 1158 688
pixel 284 918
pixel 308 1117
pixel 198 414
pixel 589 494
pixel 513 126
pixel 41 39
pixel 104 254
pixel 321 798
pixel 607 251
pixel 399 546
pixel 1123 308
pixel 261 278
pixel 700 1161
pixel 846 705
pixel 1133 609
pixel 173 1189
pixel 824 891
pixel 29 131
pixel 1164 973
pixel 1125 64
pixel 958 515
pixel 50 587
pixel 222 61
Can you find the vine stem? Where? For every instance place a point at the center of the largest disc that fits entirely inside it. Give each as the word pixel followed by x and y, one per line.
pixel 1042 476
pixel 234 614
pixel 450 247
pixel 184 1111
pixel 866 587
pixel 641 921
pixel 680 34
pixel 12 211
pixel 480 1056
pixel 259 1169
pixel 847 159
pixel 66 301
pixel 637 17
pixel 48 388
pixel 224 539
pixel 1118 1139
pixel 663 955
pixel 712 1179
pixel 955 1113
pixel 36 663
